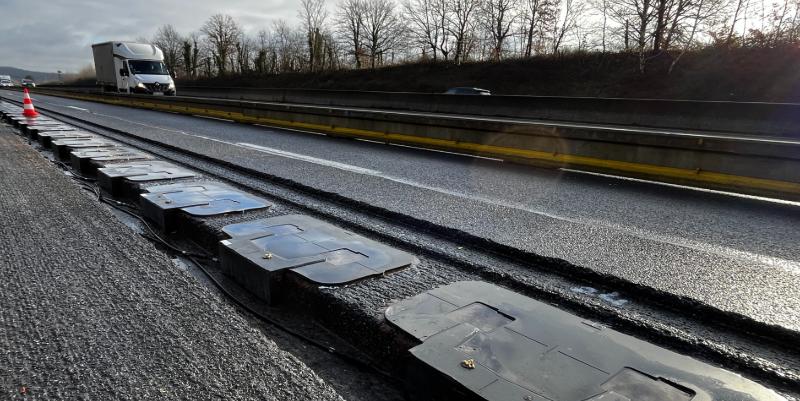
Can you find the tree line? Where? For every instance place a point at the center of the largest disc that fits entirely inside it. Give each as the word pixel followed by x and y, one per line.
pixel 376 33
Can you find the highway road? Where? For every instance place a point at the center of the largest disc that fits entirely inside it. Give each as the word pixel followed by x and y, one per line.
pixel 707 274
pixel 735 253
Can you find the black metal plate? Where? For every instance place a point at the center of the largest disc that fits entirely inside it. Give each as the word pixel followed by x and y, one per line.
pixel 521 348
pixel 16 119
pixel 11 112
pixel 115 178
pixel 63 147
pixel 34 130
pixel 46 138
pixel 86 161
pixel 23 122
pixel 201 200
pixel 320 252
pixel 26 126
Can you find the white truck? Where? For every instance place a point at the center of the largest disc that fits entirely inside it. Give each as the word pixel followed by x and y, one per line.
pixel 127 67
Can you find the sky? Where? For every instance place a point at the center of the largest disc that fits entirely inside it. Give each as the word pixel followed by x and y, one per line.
pixel 56 35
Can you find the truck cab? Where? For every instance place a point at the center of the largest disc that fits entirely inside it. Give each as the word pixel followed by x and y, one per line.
pixel 145 76
pixel 126 67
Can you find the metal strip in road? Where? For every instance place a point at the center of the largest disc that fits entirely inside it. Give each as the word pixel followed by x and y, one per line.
pixel 530 156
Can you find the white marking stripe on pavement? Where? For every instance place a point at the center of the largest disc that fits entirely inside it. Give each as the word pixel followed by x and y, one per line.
pixel 311 159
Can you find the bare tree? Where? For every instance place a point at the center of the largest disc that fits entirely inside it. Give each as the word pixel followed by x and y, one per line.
pixel 243 54
pixel 263 62
pixel 283 46
pixel 441 10
pixel 670 17
pixel 782 23
pixel 740 8
pixel 637 17
pixel 222 34
pixel 698 12
pixel 382 29
pixel 350 25
pixel 313 14
pixel 289 48
pixel 602 7
pixel 499 17
pixel 171 43
pixel 425 24
pixel 571 13
pixel 539 17
pixel 461 24
pixel 190 52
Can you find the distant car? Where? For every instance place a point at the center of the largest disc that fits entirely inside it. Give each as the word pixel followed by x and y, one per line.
pixel 28 83
pixel 467 91
pixel 6 83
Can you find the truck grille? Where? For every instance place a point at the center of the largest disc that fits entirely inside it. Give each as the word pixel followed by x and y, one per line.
pixel 157 87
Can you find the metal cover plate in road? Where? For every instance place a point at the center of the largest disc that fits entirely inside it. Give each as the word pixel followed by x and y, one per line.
pixel 34 130
pixel 320 252
pixel 16 120
pixel 501 345
pixel 20 117
pixel 196 200
pixel 63 147
pixel 47 138
pixel 112 154
pixel 38 122
pixel 146 171
pixel 40 126
pixel 111 177
pixel 44 126
pixel 86 161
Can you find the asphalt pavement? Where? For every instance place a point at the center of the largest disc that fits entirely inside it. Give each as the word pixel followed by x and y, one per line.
pixel 91 310
pixel 738 254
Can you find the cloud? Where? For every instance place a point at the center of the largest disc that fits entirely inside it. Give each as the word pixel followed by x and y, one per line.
pixel 58 34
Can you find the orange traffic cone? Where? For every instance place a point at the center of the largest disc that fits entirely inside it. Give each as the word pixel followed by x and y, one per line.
pixel 27 105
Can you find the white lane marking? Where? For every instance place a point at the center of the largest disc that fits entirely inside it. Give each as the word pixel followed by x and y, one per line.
pixel 292 129
pixel 431 150
pixel 311 159
pixel 784 264
pixel 227 120
pixel 449 152
pixel 77 108
pixel 698 189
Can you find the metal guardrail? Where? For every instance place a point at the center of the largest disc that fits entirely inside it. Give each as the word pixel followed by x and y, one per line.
pixel 756 118
pixel 748 164
pixel 771 119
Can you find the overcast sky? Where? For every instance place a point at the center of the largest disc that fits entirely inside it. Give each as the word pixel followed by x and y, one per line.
pixel 55 35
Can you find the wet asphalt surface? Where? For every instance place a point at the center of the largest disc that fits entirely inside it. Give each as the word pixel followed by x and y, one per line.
pixel 735 254
pixel 91 310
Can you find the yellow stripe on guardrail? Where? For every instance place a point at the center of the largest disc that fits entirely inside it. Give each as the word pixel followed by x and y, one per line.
pixel 661 173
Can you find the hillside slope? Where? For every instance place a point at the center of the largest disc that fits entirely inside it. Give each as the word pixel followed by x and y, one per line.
pixel 17 74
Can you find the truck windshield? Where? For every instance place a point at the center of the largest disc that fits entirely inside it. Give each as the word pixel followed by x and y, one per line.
pixel 147 67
